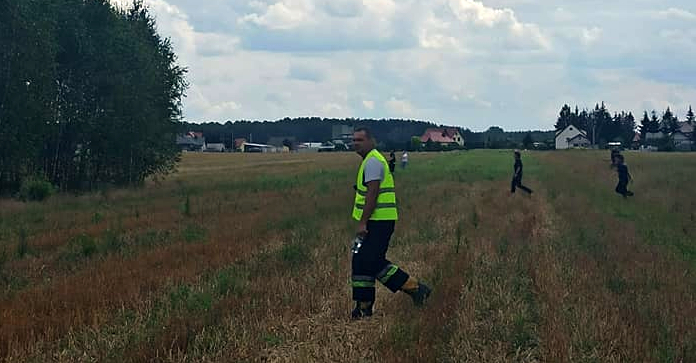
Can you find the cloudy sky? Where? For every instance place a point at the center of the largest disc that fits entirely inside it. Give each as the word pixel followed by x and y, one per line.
pixel 511 63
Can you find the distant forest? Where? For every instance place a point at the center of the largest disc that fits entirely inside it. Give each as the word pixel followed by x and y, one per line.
pixel 390 133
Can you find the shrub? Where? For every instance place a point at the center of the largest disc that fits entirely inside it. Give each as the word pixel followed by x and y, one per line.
pixel 36 189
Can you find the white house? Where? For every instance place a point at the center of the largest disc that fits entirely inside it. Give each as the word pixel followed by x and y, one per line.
pixel 248 147
pixel 214 147
pixel 651 136
pixel 686 128
pixel 682 141
pixel 571 137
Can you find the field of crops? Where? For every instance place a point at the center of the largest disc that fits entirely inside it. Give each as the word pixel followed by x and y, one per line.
pixel 246 257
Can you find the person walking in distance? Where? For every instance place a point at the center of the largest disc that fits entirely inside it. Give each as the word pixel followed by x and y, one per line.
pixel 375 210
pixel 624 177
pixel 517 176
pixel 404 159
pixel 392 161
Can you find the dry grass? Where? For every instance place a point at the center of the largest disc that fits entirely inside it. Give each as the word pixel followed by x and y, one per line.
pixel 245 258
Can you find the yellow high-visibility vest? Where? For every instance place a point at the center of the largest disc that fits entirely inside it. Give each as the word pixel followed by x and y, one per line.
pixel 386 199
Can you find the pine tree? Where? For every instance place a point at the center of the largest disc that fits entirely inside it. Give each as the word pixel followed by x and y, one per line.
pixel 564 119
pixel 644 126
pixel 690 118
pixel 669 123
pixel 628 128
pixel 654 123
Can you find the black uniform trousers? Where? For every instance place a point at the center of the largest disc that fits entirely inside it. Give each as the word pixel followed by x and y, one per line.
pixel 517 183
pixel 370 263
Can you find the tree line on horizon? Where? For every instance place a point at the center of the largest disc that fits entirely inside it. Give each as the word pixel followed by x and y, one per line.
pixel 601 127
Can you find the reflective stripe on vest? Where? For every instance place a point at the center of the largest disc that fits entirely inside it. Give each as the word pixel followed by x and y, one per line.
pixel 385 210
pixel 385 190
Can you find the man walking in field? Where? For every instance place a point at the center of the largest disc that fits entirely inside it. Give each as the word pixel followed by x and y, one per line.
pixel 624 177
pixel 614 154
pixel 517 177
pixel 375 210
pixel 392 161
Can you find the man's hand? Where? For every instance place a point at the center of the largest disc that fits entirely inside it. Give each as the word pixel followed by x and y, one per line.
pixel 370 204
pixel 361 230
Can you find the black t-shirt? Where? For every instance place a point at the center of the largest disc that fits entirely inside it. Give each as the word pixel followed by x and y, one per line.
pixel 518 166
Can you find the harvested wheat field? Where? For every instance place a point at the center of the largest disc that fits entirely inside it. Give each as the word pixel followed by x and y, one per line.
pixel 246 258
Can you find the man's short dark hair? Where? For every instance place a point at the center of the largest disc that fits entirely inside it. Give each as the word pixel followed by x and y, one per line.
pixel 367 132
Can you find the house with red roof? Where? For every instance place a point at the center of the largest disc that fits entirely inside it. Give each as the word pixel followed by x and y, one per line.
pixel 445 136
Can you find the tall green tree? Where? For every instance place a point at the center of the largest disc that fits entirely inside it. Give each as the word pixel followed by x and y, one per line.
pixel 644 126
pixel 27 88
pixel 88 94
pixel 654 122
pixel 669 123
pixel 690 118
pixel 599 124
pixel 565 118
pixel 628 127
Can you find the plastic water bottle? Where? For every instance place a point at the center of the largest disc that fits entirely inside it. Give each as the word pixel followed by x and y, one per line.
pixel 357 243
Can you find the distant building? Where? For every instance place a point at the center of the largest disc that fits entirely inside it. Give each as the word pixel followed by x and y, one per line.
pixel 571 137
pixel 686 128
pixel 191 141
pixel 680 138
pixel 682 141
pixel 290 142
pixel 635 143
pixel 248 147
pixel 652 136
pixel 445 136
pixel 342 137
pixel 238 143
pixel 215 147
pixel 308 147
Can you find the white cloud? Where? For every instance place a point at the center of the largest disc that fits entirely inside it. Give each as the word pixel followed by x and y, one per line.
pixel 303 72
pixel 589 36
pixel 399 107
pixel 213 44
pixel 330 108
pixel 285 14
pixel 519 34
pixel 223 107
pixel 470 10
pixel 473 63
pixel 676 13
pixel 344 8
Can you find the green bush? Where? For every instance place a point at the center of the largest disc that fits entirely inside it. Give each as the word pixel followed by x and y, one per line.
pixel 36 189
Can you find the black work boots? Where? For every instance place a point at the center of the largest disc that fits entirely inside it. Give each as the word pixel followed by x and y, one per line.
pixel 419 295
pixel 362 310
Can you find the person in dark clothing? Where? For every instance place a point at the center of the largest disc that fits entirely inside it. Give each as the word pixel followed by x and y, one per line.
pixel 392 161
pixel 517 177
pixel 614 154
pixel 624 177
